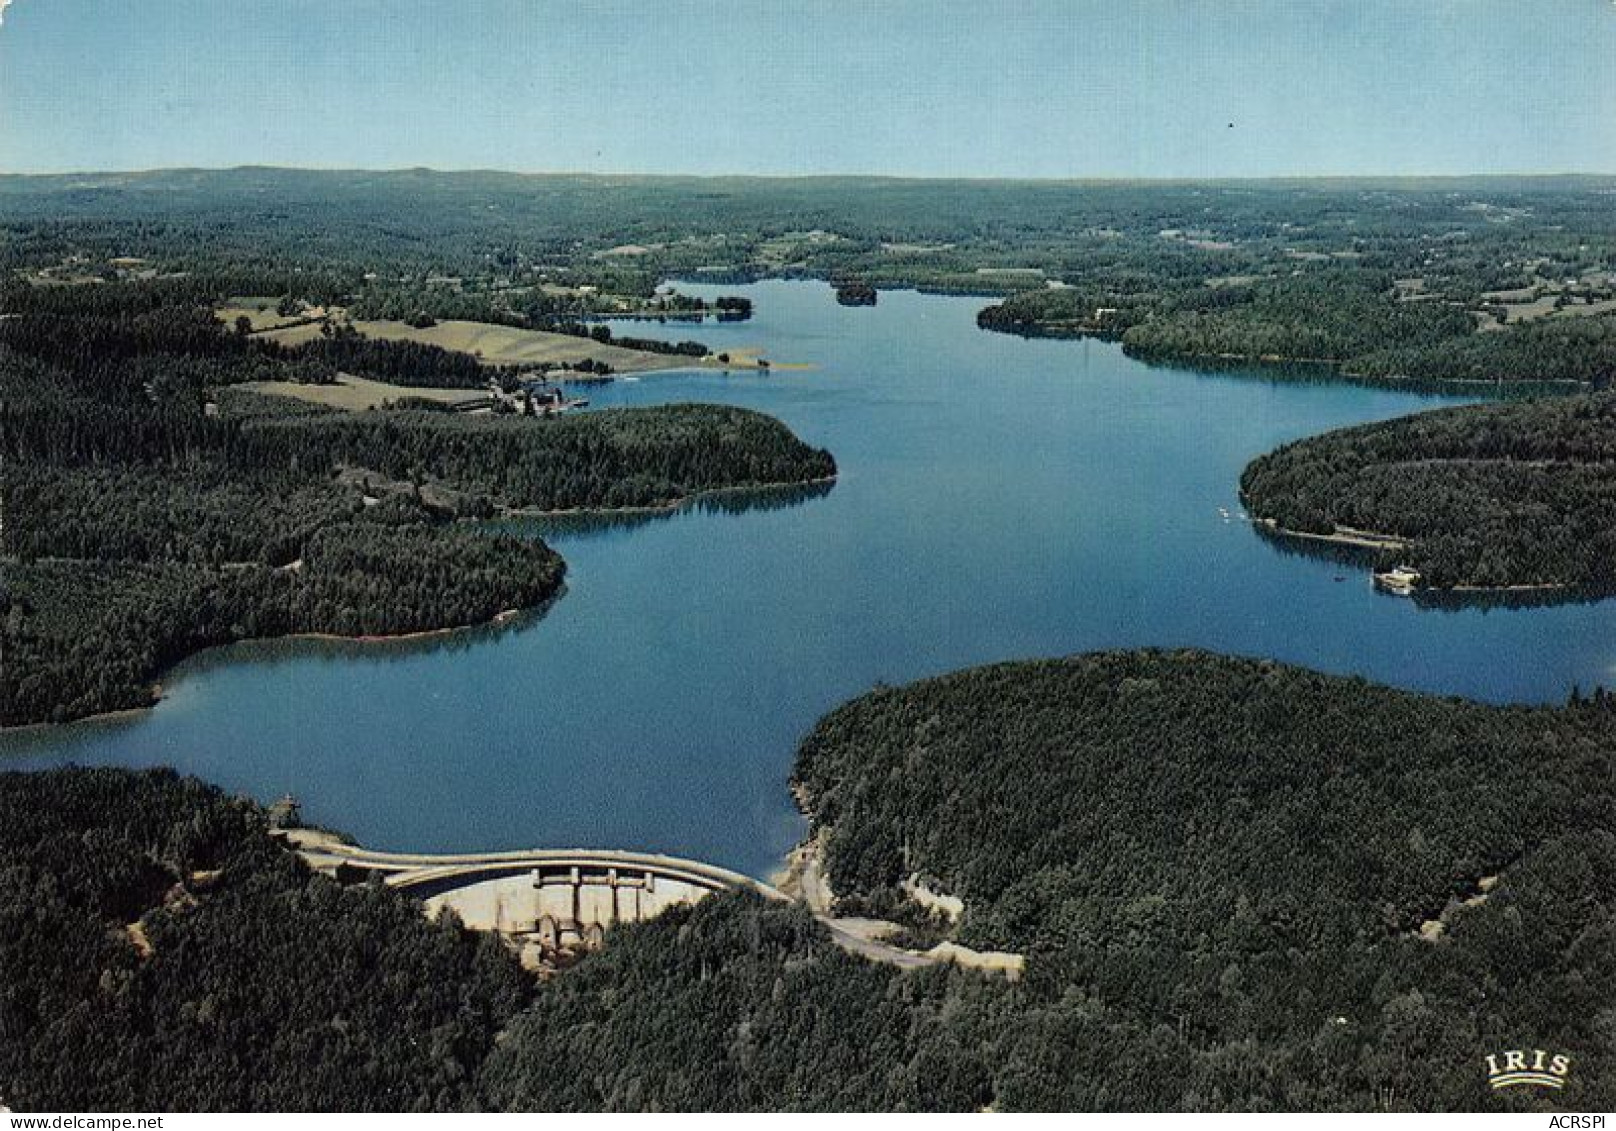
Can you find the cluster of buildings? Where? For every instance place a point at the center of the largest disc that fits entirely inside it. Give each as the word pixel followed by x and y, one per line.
pixel 532 398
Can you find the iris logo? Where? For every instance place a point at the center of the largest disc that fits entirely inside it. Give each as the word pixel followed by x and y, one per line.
pixel 1537 1068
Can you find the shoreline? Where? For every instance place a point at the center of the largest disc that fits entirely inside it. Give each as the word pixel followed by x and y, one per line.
pixel 114 716
pixel 656 508
pixel 1361 539
pixel 1338 369
pixel 504 616
pixel 1372 540
pixel 1336 366
pixel 118 714
pixel 1534 587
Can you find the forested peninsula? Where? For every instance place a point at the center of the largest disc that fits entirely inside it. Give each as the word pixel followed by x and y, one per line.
pixel 1495 496
pixel 152 508
pixel 1239 885
pixel 1353 322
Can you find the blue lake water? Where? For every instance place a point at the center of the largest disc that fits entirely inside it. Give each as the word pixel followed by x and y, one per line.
pixel 998 498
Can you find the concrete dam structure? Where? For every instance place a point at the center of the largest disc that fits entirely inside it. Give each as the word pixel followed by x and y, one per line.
pixel 550 900
pixel 554 904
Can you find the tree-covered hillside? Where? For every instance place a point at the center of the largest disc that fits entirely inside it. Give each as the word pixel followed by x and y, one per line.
pixel 1495 496
pixel 160 952
pixel 1226 865
pixel 737 1003
pixel 151 508
pixel 1356 321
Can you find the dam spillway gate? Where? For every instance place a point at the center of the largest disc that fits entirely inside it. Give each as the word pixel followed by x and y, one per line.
pixel 550 903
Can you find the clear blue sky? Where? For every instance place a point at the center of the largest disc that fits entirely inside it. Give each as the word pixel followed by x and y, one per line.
pixel 1083 88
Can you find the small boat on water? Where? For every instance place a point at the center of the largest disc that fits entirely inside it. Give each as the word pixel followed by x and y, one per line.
pixel 1399 580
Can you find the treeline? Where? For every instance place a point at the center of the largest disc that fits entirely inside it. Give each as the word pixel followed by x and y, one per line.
pixel 1336 315
pixel 1064 312
pixel 1497 495
pixel 162 952
pixel 598 332
pixel 419 364
pixel 152 510
pixel 653 345
pixel 624 458
pixel 1580 350
pixel 1386 278
pixel 89 327
pixel 123 342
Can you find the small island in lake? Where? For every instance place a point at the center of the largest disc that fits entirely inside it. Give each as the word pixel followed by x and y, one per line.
pixel 855 293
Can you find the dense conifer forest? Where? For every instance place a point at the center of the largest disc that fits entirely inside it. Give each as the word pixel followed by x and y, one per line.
pixel 1238 885
pixel 160 952
pixel 1220 869
pixel 1353 320
pixel 1494 496
pixel 152 509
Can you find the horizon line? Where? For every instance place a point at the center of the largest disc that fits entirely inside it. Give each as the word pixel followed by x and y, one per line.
pixel 1101 179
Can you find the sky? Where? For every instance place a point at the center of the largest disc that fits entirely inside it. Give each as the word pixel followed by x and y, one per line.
pixel 994 88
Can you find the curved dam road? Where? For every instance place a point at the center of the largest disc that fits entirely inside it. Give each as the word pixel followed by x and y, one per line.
pixel 559 896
